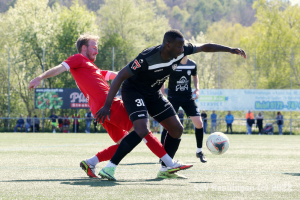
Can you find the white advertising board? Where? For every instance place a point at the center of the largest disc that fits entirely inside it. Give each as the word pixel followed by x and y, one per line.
pixel 254 100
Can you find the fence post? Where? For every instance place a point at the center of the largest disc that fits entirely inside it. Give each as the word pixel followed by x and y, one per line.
pixel 292 58
pixel 113 59
pixel 33 125
pixel 254 70
pixel 8 91
pixel 219 82
pixel 43 65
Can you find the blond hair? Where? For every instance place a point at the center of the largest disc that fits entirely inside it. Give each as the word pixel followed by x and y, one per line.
pixel 84 40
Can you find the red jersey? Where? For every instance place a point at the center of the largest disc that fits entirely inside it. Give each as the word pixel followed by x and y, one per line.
pixel 89 78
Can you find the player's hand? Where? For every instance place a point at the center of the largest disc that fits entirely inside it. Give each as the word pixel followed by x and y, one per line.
pixel 238 51
pixel 196 93
pixel 34 83
pixel 102 113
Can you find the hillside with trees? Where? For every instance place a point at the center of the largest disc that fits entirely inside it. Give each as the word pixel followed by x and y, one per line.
pixel 267 30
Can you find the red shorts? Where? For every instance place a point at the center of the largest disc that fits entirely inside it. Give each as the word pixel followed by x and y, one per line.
pixel 119 123
pixel 60 125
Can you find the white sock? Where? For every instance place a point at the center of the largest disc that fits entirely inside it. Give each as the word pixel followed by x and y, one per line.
pixel 163 168
pixel 199 150
pixel 167 160
pixel 93 160
pixel 110 164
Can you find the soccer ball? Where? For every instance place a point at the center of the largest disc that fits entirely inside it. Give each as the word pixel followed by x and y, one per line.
pixel 217 143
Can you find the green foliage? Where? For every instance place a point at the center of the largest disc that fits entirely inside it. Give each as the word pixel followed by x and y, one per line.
pixel 135 26
pixel 28 32
pixel 275 42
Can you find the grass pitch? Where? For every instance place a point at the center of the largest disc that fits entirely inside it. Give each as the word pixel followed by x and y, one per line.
pixel 46 166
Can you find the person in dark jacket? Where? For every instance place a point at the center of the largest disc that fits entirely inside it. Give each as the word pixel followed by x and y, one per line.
pixel 20 123
pixel 259 122
pixel 280 122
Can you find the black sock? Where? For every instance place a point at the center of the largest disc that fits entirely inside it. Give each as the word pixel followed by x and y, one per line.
pixel 163 136
pixel 126 145
pixel 171 146
pixel 199 137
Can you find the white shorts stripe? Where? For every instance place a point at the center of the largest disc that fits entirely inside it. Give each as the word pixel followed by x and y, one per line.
pixel 162 112
pixel 136 112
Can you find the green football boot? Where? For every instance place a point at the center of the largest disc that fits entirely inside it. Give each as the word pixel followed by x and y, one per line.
pixel 165 175
pixel 108 173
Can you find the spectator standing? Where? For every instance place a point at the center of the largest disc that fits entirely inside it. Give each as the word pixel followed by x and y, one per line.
pixel 229 120
pixel 280 122
pixel 249 121
pixel 36 124
pixel 213 118
pixel 53 117
pixel 60 123
pixel 66 124
pixel 20 123
pixel 95 125
pixel 28 123
pixel 204 119
pixel 76 122
pixel 259 122
pixel 181 116
pixel 88 120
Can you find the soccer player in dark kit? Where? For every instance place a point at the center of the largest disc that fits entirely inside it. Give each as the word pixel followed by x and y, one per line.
pixel 92 82
pixel 180 95
pixel 143 77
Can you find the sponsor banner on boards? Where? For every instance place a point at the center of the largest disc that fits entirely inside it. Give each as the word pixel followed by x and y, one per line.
pixel 254 100
pixel 60 98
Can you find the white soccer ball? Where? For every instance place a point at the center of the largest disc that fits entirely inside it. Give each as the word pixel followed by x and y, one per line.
pixel 217 143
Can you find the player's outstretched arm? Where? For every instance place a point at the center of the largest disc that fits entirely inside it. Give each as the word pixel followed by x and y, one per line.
pixel 209 47
pixel 112 75
pixel 47 74
pixel 115 86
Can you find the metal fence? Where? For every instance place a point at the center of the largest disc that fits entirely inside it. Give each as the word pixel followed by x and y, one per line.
pixel 45 125
pixel 238 126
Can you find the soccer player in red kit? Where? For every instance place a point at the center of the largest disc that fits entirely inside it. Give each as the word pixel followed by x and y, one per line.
pixel 92 83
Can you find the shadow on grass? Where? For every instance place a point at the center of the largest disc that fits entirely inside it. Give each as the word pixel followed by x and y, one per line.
pixel 153 163
pixel 93 182
pixel 201 182
pixel 107 183
pixel 150 163
pixel 293 174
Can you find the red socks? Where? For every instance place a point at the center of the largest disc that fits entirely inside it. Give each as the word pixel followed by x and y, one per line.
pixel 151 141
pixel 154 145
pixel 107 154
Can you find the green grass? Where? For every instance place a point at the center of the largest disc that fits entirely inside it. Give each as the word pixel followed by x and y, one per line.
pixel 46 166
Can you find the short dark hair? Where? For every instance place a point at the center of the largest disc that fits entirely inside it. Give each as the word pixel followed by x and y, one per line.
pixel 84 40
pixel 171 35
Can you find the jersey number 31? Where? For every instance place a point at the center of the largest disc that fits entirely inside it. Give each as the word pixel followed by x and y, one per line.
pixel 139 102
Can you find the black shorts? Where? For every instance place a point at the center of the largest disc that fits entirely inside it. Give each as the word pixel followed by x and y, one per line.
pixel 187 103
pixel 138 106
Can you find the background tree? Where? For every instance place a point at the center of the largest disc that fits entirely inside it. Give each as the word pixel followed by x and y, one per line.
pixel 132 25
pixel 275 40
pixel 29 31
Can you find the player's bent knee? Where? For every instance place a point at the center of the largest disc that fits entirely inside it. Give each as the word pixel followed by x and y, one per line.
pixel 176 132
pixel 142 133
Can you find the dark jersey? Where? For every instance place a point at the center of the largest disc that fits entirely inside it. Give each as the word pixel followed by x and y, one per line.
pixel 149 71
pixel 53 117
pixel 180 79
